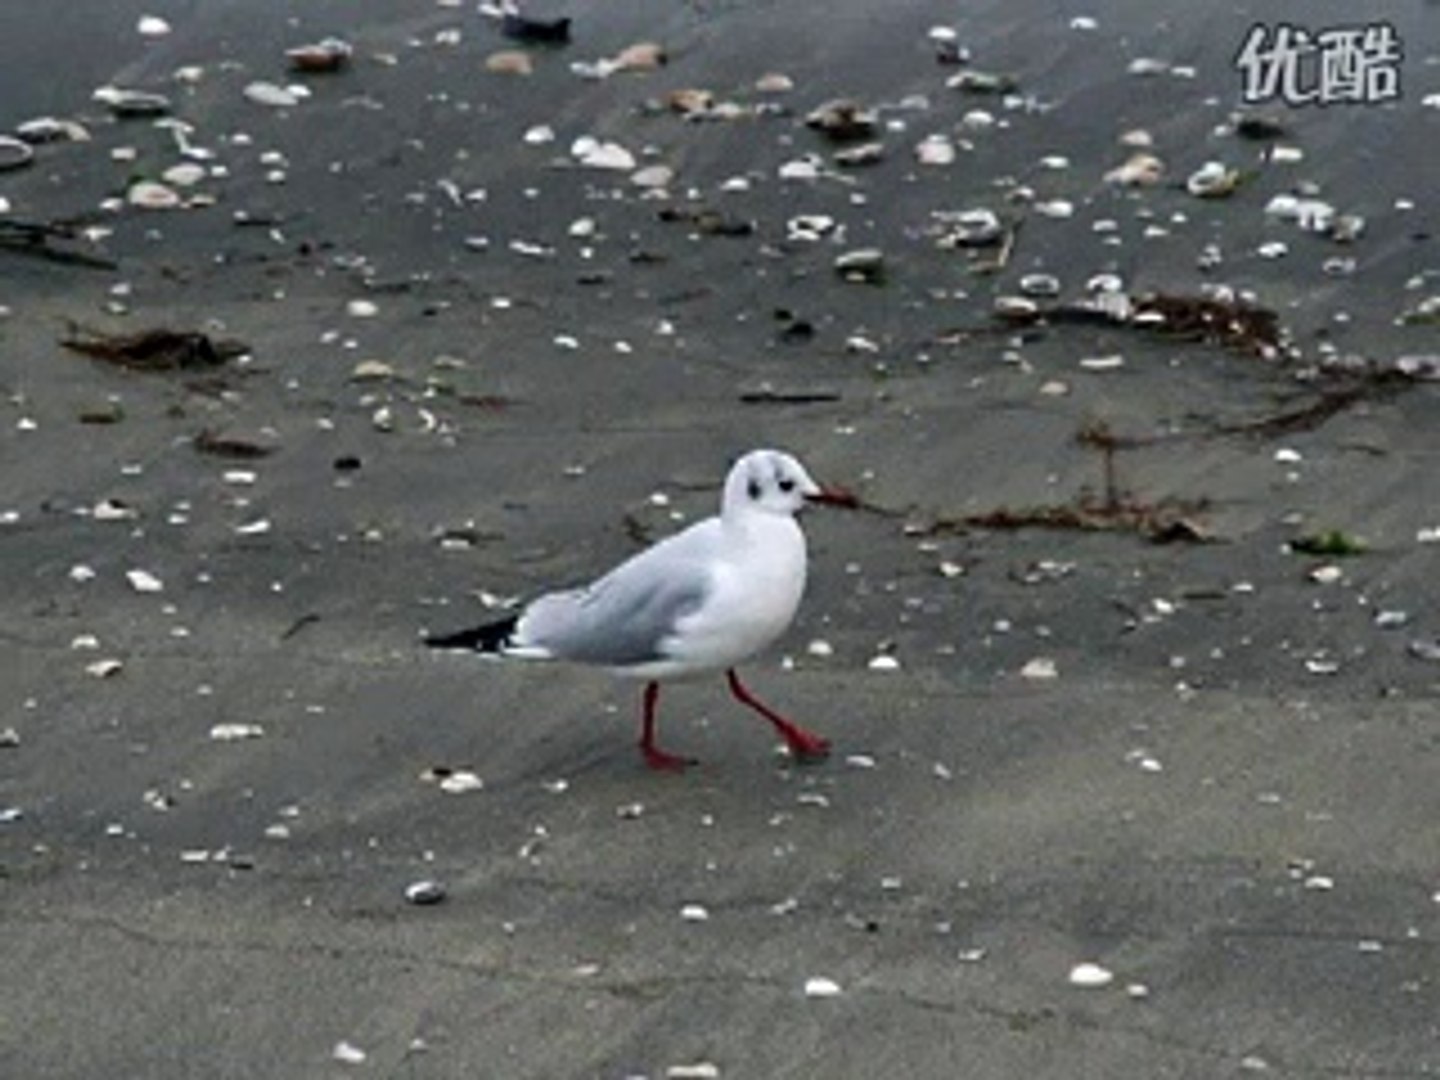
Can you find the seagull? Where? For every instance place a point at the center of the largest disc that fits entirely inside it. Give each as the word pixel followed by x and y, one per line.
pixel 700 601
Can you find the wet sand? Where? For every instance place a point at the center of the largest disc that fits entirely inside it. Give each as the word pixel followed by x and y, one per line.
pixel 1206 767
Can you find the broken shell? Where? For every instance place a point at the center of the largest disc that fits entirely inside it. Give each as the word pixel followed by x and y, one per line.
pixel 842 119
pixel 461 782
pixel 820 987
pixel 973 229
pixel 603 155
pixel 653 176
pixel 864 154
pixel 1043 285
pixel 690 101
pixel 271 95
pixel 1091 976
pixel 510 62
pixel 186 174
pixel 861 265
pixel 981 82
pixel 1142 170
pixel 131 103
pixel 774 83
pixel 1041 667
pixel 152 26
pixel 936 150
pixel 808 227
pixel 14 153
pixel 235 732
pixel 642 56
pixel 425 893
pixel 50 129
pixel 330 54
pixel 1213 181
pixel 142 581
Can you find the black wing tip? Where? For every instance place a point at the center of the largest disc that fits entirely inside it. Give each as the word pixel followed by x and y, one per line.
pixel 489 638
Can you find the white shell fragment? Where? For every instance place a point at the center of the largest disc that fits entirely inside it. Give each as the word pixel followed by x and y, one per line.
pixel 820 987
pixel 1041 667
pixel 152 26
pixel 272 95
pixel 700 1070
pixel 150 195
pixel 235 732
pixel 347 1053
pixel 694 913
pixel 461 782
pixel 1090 976
pixel 142 581
pixel 425 893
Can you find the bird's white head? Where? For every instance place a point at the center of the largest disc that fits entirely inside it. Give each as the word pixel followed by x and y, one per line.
pixel 772 482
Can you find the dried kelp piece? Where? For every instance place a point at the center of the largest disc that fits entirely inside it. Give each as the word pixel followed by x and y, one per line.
pixel 519 27
pixel 1332 543
pixel 156 349
pixel 232 447
pixel 1162 522
pixel 1232 323
pixel 706 221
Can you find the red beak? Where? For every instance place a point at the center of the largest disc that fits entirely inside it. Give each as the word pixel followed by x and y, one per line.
pixel 834 496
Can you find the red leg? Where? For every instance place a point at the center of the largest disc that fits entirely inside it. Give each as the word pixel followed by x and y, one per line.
pixel 804 745
pixel 654 756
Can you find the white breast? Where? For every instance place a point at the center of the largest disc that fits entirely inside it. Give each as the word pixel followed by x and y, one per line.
pixel 756 589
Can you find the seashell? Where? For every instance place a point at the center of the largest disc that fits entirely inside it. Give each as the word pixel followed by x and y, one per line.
pixel 861 265
pixel 152 26
pixel 809 227
pixel 1142 170
pixel 642 56
pixel 425 893
pixel 864 154
pixel 132 103
pixel 820 987
pixel 14 153
pixel 1016 309
pixel 328 55
pixel 974 228
pixel 774 83
pixel 653 176
pixel 842 119
pixel 935 150
pixel 149 195
pixel 1091 976
pixel 510 62
pixel 271 95
pixel 1040 285
pixel 1213 181
pixel 186 174
pixel 981 82
pixel 50 129
pixel 806 168
pixel 605 155
pixel 690 101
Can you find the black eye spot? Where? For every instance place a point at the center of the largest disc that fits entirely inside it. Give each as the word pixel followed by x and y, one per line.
pixel 786 484
pixel 753 489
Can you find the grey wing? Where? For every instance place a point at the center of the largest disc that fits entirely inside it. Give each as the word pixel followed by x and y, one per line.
pixel 624 618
